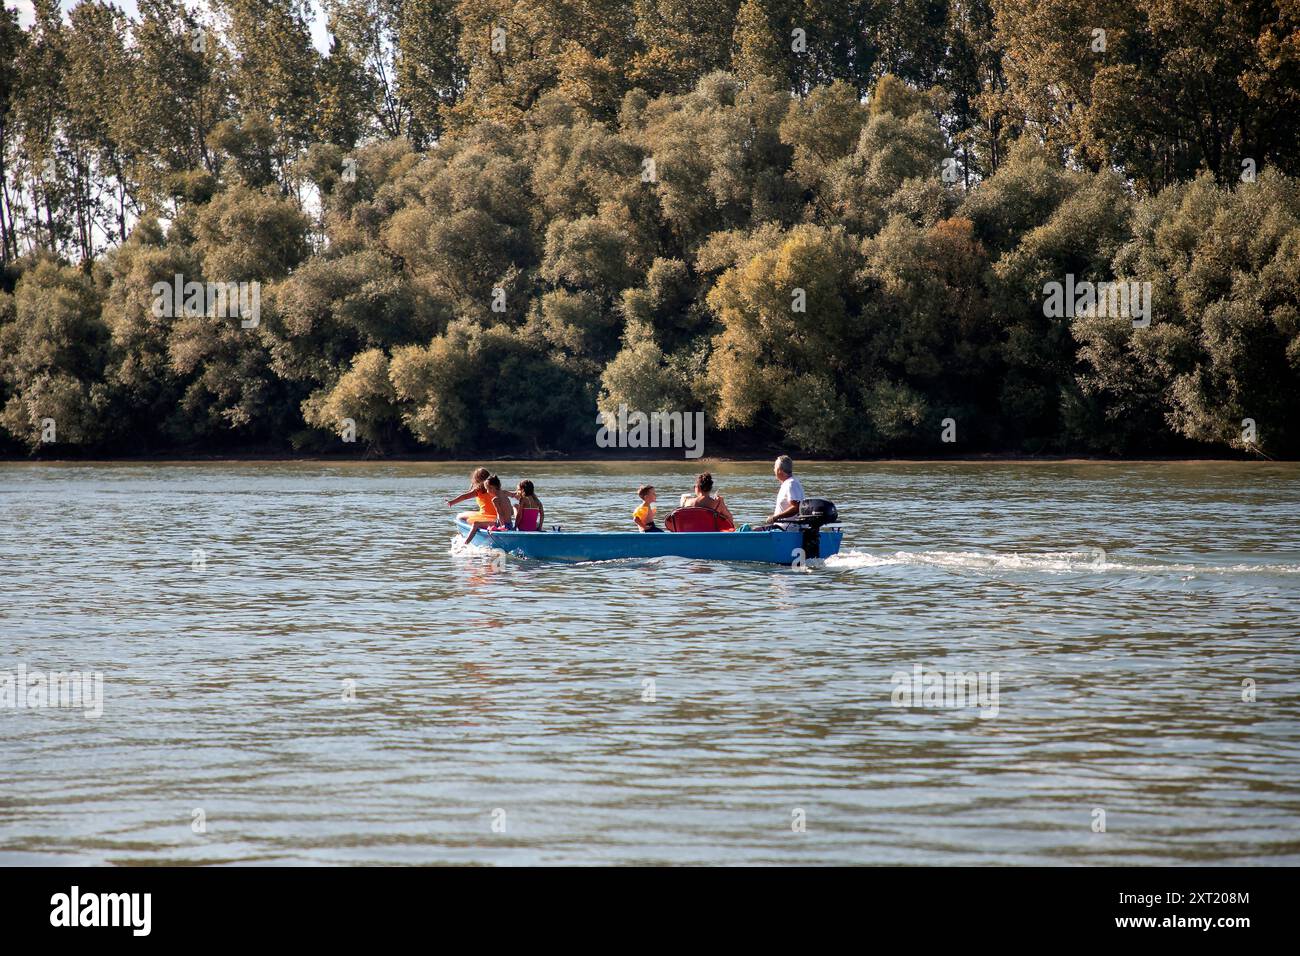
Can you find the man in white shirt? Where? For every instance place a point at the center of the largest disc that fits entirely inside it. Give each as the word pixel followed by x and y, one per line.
pixel 791 494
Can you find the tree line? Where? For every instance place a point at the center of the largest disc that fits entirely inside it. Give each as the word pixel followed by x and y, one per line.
pixel 830 226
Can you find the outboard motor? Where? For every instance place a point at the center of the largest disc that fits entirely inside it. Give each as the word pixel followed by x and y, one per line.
pixel 814 513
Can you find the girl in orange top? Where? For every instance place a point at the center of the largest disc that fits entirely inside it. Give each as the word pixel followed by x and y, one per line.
pixel 503 512
pixel 479 491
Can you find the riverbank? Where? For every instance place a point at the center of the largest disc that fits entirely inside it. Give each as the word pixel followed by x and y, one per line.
pixel 255 457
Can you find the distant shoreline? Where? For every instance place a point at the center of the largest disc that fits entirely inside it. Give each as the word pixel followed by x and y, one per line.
pixel 988 459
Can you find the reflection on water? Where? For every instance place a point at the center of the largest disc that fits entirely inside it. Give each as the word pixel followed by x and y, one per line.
pixel 337 682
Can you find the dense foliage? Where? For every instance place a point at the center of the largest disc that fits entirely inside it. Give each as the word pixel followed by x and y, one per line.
pixel 827 225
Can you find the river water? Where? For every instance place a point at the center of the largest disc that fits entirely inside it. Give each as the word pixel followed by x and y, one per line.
pixel 300 665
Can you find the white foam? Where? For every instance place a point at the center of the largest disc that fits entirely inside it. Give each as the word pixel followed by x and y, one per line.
pixel 1050 562
pixel 458 546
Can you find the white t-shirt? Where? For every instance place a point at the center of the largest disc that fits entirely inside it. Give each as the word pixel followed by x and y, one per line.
pixel 791 491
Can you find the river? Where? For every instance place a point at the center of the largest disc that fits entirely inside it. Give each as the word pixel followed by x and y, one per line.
pixel 300 666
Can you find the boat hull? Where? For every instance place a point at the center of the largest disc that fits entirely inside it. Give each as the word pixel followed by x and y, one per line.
pixel 769 547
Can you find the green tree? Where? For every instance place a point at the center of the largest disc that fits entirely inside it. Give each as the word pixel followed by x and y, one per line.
pixel 1220 359
pixel 896 165
pixel 1176 89
pixel 13 41
pixel 789 318
pixel 96 83
pixel 274 74
pixel 363 398
pixel 52 358
pixel 761 42
pixel 515 51
pixel 680 42
pixel 430 73
pixel 177 93
pixel 41 199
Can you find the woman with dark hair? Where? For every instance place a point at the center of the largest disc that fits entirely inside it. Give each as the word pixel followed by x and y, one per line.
pixel 704 498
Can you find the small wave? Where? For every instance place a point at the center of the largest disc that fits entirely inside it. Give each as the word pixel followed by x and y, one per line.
pixel 1051 562
pixel 478 547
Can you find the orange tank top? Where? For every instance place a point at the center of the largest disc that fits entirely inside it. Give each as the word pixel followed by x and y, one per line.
pixel 486 503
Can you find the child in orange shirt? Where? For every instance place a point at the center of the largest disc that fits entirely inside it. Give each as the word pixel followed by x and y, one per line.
pixel 503 512
pixel 644 516
pixel 478 491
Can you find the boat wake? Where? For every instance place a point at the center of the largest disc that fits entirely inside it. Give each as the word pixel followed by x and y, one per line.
pixel 1080 561
pixel 1049 562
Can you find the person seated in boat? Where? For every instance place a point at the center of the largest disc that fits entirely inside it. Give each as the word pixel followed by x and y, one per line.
pixel 529 513
pixel 479 492
pixel 788 498
pixel 705 498
pixel 644 516
pixel 503 511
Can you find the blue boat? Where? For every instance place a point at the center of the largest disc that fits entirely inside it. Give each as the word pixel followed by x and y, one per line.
pixel 771 547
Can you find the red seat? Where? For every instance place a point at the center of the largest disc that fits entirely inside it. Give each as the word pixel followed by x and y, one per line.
pixel 694 519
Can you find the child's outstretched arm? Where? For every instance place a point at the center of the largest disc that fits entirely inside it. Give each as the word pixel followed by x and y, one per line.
pixel 453 502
